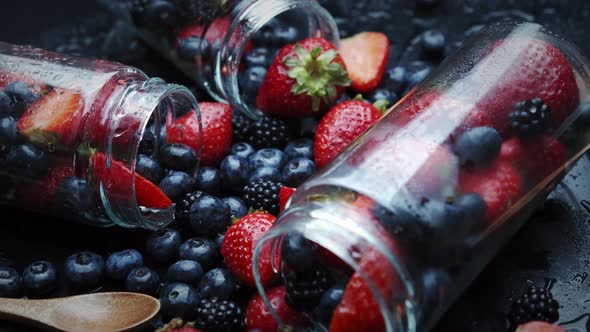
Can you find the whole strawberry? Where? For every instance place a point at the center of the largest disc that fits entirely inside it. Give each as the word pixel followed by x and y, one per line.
pixel 500 185
pixel 238 245
pixel 217 131
pixel 305 78
pixel 258 315
pixel 518 69
pixel 341 125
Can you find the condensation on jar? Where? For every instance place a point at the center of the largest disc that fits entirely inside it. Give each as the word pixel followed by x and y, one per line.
pixel 400 223
pixel 207 40
pixel 72 131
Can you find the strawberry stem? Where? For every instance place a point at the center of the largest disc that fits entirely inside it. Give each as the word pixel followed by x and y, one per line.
pixel 381 105
pixel 316 75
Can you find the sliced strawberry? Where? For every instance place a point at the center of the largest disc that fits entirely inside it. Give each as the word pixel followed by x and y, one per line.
pixel 500 186
pixel 284 194
pixel 523 68
pixel 365 55
pixel 535 158
pixel 238 247
pixel 54 119
pixel 217 132
pixel 359 310
pixel 258 315
pixel 117 182
pixel 539 326
pixel 340 126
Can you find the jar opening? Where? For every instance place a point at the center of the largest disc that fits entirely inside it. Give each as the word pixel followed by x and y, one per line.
pixel 306 16
pixel 354 256
pixel 149 119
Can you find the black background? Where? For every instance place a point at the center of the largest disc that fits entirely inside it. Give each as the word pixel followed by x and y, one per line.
pixel 553 249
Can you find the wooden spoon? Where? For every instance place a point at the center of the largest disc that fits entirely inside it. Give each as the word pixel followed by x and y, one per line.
pixel 116 311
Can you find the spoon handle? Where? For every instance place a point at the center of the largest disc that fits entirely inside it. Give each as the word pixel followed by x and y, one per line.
pixel 20 310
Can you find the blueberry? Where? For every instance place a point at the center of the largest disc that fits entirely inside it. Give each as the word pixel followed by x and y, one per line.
pixel 473 209
pixel 149 168
pixel 180 300
pixel 7 131
pixel 328 303
pixel 395 79
pixel 120 263
pixel 189 48
pixel 417 71
pixel 286 35
pixel 219 240
pixel 436 283
pixel 433 42
pixel 84 270
pixel 10 282
pixel 236 205
pixel 158 12
pixel 582 121
pixel 201 250
pixel 217 283
pixel 185 270
pixel 20 92
pixel 265 36
pixel 251 80
pixel 147 144
pixel 267 157
pixel 27 160
pixel 209 180
pixel 5 104
pixel 383 94
pixel 209 215
pixel 142 280
pixel 399 222
pixel 178 157
pixel 40 278
pixel 73 197
pixel 299 148
pixel 298 252
pixel 266 173
pixel 258 57
pixel 235 172
pixel 478 146
pixel 298 170
pixel 162 245
pixel 176 184
pixel 242 149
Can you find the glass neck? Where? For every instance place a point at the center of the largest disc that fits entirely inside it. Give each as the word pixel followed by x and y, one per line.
pixel 133 105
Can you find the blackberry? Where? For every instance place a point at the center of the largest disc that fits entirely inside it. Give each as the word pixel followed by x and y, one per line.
pixel 262 194
pixel 529 118
pixel 304 290
pixel 213 315
pixel 240 126
pixel 267 132
pixel 534 304
pixel 184 204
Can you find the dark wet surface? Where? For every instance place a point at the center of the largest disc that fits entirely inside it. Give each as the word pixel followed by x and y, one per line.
pixel 552 249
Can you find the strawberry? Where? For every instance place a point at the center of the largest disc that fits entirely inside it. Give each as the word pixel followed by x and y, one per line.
pixel 341 125
pixel 359 310
pixel 305 78
pixel 117 182
pixel 518 69
pixel 499 184
pixel 284 194
pixel 535 158
pixel 365 56
pixel 539 326
pixel 218 27
pixel 217 131
pixel 258 315
pixel 53 120
pixel 238 245
pixel 40 194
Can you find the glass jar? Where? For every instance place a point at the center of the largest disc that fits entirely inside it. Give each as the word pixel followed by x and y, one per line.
pixel 71 130
pixel 408 215
pixel 207 39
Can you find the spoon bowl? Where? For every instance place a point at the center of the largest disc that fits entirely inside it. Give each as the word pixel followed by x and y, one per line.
pixel 116 311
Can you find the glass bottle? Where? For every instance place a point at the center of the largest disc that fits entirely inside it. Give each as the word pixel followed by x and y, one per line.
pixel 71 130
pixel 207 39
pixel 414 209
